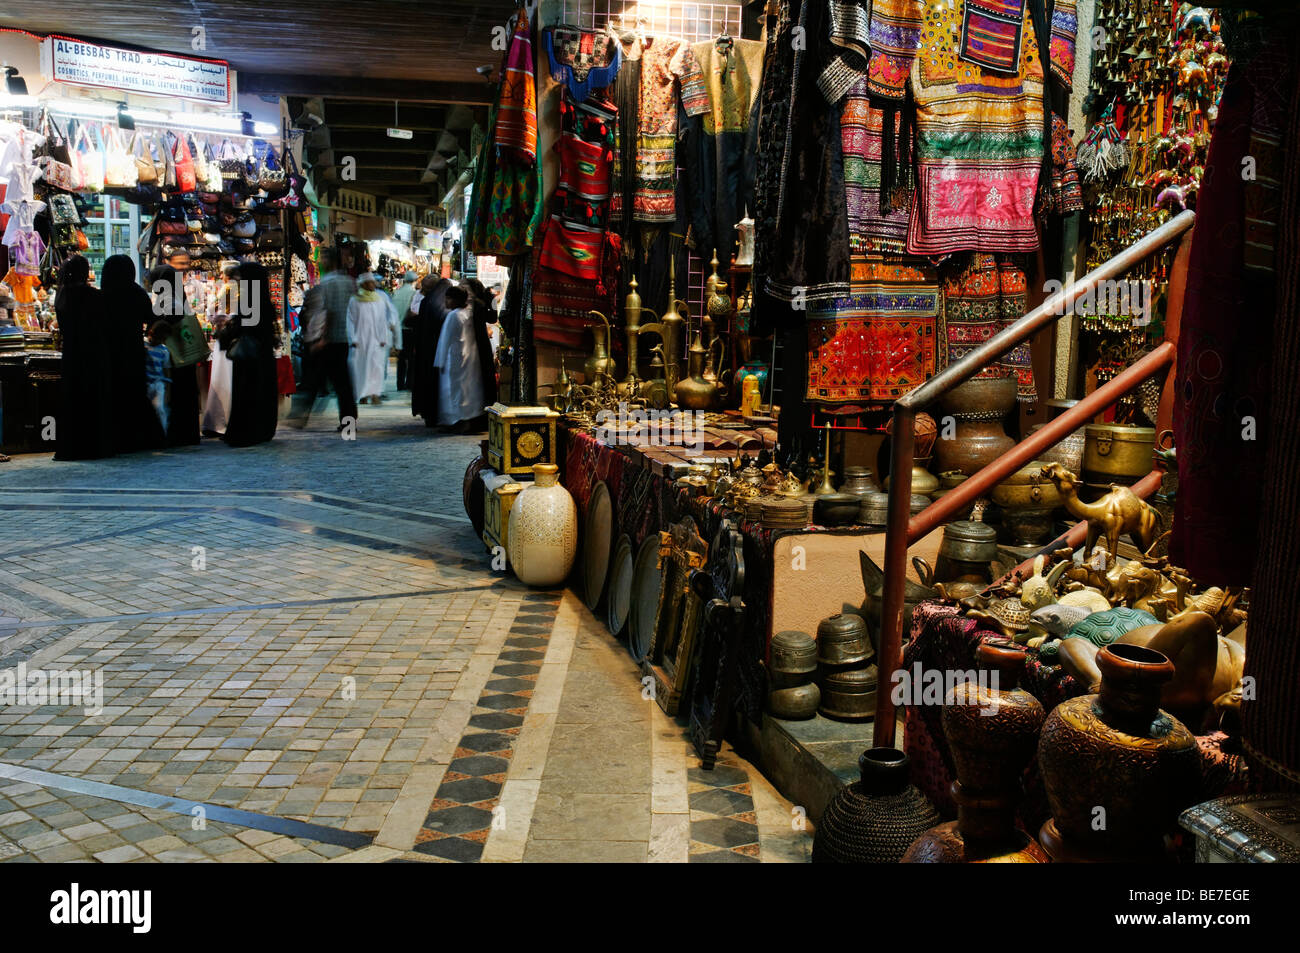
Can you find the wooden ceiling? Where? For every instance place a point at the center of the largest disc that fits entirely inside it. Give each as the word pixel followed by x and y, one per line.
pixel 426 40
pixel 346 63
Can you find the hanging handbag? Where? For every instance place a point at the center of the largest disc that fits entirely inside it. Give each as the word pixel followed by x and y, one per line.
pixel 272 178
pixel 232 166
pixel 119 164
pixel 294 182
pixel 169 158
pixel 63 211
pixel 186 180
pixel 90 159
pixel 271 239
pixel 146 173
pixel 54 158
pixel 244 227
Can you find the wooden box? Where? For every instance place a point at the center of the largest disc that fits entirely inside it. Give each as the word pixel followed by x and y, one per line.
pixel 499 495
pixel 519 437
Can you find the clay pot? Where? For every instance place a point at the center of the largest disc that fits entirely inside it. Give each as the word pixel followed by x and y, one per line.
pixel 978 407
pixel 1118 751
pixel 543 533
pixel 874 819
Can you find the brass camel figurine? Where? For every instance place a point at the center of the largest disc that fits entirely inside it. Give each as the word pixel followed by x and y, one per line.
pixel 1119 511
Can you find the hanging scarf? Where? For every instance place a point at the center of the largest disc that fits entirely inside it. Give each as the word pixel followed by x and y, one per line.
pixel 516 128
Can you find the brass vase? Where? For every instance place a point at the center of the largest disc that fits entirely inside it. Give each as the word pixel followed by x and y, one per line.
pixel 693 392
pixel 599 362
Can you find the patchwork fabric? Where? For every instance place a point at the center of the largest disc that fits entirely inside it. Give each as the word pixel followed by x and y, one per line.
pixel 980 300
pixel 991 32
pixel 878 343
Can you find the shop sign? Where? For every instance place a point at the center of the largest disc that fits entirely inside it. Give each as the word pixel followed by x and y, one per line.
pixel 65 59
pixel 346 200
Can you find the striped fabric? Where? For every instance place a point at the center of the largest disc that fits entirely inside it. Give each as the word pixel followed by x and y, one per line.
pixel 987 296
pixel 1065 27
pixel 516 128
pixel 861 135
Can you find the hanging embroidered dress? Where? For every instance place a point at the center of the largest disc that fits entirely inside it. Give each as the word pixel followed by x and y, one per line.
pixel 978 81
pixel 733 72
pixel 982 295
pixel 668 71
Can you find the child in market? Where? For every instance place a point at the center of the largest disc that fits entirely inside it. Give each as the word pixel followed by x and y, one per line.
pixel 158 363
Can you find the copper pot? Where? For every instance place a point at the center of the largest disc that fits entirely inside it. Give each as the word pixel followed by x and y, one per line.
pixel 1115 453
pixel 978 408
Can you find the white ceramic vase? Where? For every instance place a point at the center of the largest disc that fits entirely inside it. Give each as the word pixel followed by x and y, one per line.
pixel 543 537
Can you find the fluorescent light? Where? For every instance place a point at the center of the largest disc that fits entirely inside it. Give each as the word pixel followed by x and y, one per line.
pixel 8 101
pixel 265 129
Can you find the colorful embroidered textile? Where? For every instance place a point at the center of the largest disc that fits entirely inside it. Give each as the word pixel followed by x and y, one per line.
pixel 1065 27
pixel 991 33
pixel 895 38
pixel 583 61
pixel 979 147
pixel 516 127
pixel 878 343
pixel 980 299
pixel 572 250
pixel 574 239
pixel 668 69
pixel 861 134
pixel 562 303
pixel 850 26
pixel 1067 190
pixel 506 207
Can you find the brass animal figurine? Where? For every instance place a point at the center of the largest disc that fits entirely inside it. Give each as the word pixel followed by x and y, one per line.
pixel 1118 512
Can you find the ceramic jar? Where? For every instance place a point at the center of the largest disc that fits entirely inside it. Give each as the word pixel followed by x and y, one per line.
pixel 1117 752
pixel 978 408
pixel 543 535
pixel 874 819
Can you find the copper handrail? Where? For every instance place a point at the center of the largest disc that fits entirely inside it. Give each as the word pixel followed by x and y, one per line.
pixel 903 529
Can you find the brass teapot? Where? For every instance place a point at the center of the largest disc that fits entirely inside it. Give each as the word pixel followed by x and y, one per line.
pixel 695 392
pixel 600 362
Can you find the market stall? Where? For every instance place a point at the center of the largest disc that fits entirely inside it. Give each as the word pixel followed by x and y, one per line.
pixel 779 260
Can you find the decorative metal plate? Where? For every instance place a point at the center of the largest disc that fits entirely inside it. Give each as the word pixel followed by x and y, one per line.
pixel 598 535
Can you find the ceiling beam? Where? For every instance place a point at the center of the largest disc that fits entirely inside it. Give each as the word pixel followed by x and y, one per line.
pixel 369 90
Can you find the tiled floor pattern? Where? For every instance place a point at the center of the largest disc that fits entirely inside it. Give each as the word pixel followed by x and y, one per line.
pixel 724 825
pixel 461 817
pixel 342 655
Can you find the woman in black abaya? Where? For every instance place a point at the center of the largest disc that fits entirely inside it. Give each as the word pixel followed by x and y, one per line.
pixel 254 394
pixel 85 427
pixel 127 310
pixel 423 376
pixel 183 402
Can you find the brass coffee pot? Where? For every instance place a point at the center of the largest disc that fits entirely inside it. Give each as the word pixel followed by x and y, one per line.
pixel 600 362
pixel 694 392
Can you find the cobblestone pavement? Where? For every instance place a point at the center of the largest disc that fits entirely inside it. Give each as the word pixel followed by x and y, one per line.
pixel 305 656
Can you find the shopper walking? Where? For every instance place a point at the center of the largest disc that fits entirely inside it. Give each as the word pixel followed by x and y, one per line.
pixel 127 310
pixel 460 376
pixel 254 393
pixel 84 428
pixel 402 299
pixel 370 332
pixel 483 316
pixel 325 334
pixel 157 372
